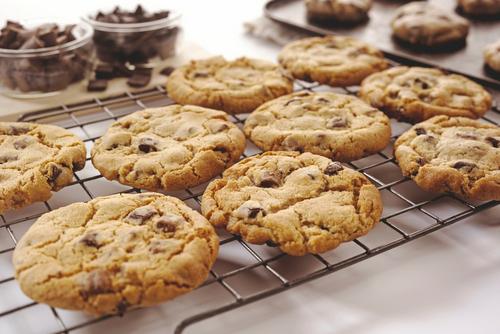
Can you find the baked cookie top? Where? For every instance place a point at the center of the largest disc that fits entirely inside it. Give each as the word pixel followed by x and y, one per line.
pixel 416 93
pixel 331 60
pixel 422 23
pixel 480 7
pixel 492 55
pixel 452 154
pixel 304 203
pixel 36 159
pixel 237 86
pixel 169 148
pixel 336 126
pixel 339 10
pixel 114 253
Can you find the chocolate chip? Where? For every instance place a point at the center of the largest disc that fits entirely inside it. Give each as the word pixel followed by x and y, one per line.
pixel 21 144
pixel 53 173
pixel 493 141
pixel 216 127
pixel 336 122
pixel 78 165
pixel 97 282
pixel 269 180
pixel 422 83
pixel 220 149
pixel 7 158
pixel 169 223
pixel 199 74
pixel 271 243
pixel 420 131
pixel 253 212
pixel 90 240
pixel 18 130
pixel 333 168
pixel 138 80
pixel 147 145
pixel 421 161
pixel 97 85
pixel 121 307
pixel 464 165
pixel 292 101
pixel 167 71
pixel 467 135
pixel 140 215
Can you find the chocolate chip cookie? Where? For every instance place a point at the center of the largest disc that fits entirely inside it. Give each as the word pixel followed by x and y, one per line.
pixel 336 126
pixel 331 60
pixel 114 253
pixel 303 203
pixel 237 86
pixel 423 24
pixel 492 56
pixel 452 154
pixel 338 11
pixel 36 159
pixel 479 7
pixel 415 94
pixel 168 148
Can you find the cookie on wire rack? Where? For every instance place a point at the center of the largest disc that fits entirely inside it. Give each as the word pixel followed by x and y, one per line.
pixel 337 126
pixel 236 86
pixel 168 148
pixel 452 154
pixel 415 94
pixel 36 159
pixel 303 203
pixel 115 253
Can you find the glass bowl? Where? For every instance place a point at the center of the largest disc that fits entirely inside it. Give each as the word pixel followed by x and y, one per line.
pixel 135 42
pixel 34 73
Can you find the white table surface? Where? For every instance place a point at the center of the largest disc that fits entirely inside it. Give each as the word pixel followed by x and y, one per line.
pixel 446 282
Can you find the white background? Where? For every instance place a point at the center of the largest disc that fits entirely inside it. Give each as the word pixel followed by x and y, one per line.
pixel 447 282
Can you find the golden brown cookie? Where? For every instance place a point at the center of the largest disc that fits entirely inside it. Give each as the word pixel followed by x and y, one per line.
pixel 452 154
pixel 337 126
pixel 169 148
pixel 331 60
pixel 36 159
pixel 415 94
pixel 114 253
pixel 237 86
pixel 304 203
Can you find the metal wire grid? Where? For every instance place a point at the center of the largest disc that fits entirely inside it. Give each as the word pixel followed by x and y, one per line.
pixel 79 117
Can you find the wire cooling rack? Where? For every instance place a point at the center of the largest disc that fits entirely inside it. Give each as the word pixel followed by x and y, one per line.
pixel 243 273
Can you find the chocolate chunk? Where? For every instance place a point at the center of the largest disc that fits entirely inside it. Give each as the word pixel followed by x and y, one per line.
pixel 269 180
pixel 32 43
pixel 421 161
pixel 53 173
pixel 420 131
pixel 97 85
pixel 21 144
pixel 97 282
pixel 147 145
pixel 333 168
pixel 422 83
pixel 18 130
pixel 104 71
pixel 90 240
pixel 220 149
pixel 493 141
pixel 139 79
pixel 253 212
pixel 169 222
pixel 464 165
pixel 167 71
pixel 140 215
pixel 78 165
pixel 337 122
pixel 48 36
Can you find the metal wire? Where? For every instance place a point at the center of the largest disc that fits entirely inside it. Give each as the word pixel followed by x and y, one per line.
pixel 80 117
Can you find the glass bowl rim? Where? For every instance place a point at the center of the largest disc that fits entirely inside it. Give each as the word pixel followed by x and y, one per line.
pixel 132 27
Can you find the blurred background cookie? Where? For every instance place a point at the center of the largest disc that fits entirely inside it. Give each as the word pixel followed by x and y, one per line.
pixel 338 11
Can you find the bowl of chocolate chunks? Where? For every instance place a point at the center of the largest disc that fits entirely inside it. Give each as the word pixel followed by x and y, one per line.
pixel 135 36
pixel 39 59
